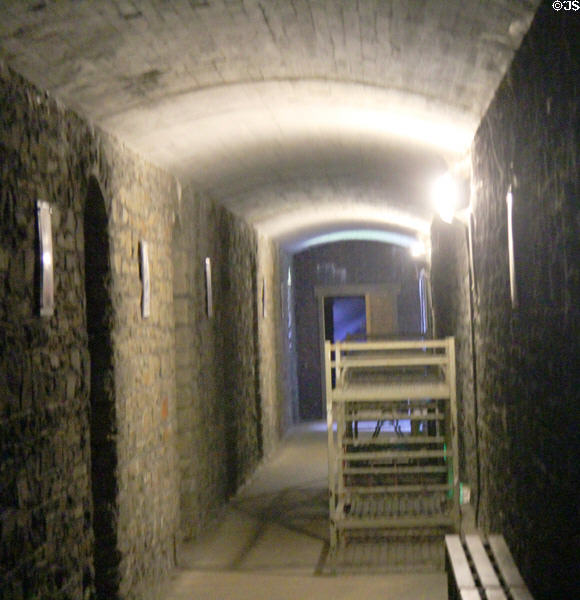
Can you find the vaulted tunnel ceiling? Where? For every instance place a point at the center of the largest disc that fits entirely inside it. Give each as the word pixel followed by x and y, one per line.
pixel 302 116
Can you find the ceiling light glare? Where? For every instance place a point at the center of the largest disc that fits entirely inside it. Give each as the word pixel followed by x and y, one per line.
pixel 445 195
pixel 418 249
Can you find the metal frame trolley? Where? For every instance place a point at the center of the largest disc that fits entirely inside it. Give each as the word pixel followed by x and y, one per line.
pixel 392 439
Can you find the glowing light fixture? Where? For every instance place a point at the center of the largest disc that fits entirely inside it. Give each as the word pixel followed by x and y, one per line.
pixel 145 279
pixel 418 249
pixel 445 195
pixel 387 237
pixel 208 288
pixel 44 212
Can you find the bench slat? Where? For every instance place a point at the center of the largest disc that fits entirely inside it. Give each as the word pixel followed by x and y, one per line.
pixel 495 594
pixel 521 593
pixel 508 569
pixel 470 594
pixel 461 576
pixel 482 563
pixel 505 561
pixel 460 566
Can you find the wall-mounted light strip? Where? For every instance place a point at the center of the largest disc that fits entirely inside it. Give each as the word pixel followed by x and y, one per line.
pixel 208 288
pixel 423 301
pixel 44 212
pixel 263 298
pixel 512 263
pixel 145 279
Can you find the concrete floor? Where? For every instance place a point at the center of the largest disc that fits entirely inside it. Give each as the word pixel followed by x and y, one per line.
pixel 271 541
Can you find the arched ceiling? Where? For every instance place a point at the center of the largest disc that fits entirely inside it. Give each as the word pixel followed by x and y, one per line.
pixel 305 117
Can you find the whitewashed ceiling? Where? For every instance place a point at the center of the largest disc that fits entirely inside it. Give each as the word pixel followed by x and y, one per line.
pixel 302 116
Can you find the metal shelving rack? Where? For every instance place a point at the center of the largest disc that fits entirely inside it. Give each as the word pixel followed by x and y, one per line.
pixel 392 439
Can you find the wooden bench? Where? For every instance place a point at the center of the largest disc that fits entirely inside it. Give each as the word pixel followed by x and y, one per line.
pixel 477 570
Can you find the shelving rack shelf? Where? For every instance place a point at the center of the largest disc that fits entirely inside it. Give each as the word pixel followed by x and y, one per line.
pixel 392 439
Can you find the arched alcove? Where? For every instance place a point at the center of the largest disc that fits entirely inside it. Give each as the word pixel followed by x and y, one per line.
pixel 102 397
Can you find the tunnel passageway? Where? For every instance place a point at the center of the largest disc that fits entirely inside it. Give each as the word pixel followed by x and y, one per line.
pixel 271 541
pixel 252 158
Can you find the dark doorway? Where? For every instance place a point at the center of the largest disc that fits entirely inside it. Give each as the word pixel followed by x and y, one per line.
pixel 102 396
pixel 344 318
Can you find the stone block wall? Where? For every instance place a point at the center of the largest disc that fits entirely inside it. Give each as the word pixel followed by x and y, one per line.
pixel 47 541
pixel 277 368
pixel 236 314
pixel 142 208
pixel 231 384
pixel 527 355
pixel 200 385
pixel 288 332
pixel 45 503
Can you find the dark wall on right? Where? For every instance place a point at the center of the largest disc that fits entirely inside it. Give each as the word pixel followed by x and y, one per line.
pixel 527 358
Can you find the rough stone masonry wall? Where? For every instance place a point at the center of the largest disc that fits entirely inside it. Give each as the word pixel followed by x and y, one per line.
pixel 200 406
pixel 278 388
pixel 46 533
pixel 288 337
pixel 231 387
pixel 527 357
pixel 142 208
pixel 236 312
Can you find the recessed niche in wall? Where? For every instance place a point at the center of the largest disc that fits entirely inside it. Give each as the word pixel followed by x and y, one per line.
pixel 45 252
pixel 208 288
pixel 103 406
pixel 145 279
